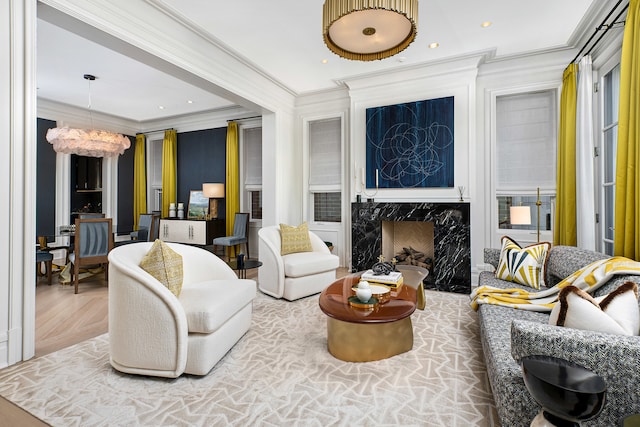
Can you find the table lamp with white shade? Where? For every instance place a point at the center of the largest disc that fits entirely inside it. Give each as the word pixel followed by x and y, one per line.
pixel 213 191
pixel 520 215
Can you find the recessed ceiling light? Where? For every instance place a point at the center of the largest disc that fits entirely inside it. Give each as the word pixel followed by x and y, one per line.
pixel 485 24
pixel 161 107
pixel 433 45
pixel 189 102
pixel 324 61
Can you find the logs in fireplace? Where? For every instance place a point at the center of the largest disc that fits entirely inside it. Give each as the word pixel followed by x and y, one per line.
pixel 410 256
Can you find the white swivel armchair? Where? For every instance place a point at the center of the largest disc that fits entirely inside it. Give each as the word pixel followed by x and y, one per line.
pixel 153 332
pixel 294 275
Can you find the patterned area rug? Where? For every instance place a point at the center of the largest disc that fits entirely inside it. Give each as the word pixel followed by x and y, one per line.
pixel 279 373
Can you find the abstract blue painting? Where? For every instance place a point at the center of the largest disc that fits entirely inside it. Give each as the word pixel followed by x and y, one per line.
pixel 410 145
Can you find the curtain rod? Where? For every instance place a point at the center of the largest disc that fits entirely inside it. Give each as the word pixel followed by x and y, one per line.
pixel 152 131
pixel 606 27
pixel 230 120
pixel 244 118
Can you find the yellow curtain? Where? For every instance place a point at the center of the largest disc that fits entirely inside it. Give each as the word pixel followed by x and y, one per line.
pixel 232 191
pixel 626 238
pixel 139 180
pixel 564 232
pixel 169 166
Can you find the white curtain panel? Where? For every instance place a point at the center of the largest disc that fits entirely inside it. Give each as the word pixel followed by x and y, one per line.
pixel 585 177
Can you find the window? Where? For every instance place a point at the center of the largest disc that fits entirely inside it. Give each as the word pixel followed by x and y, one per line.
pixel 526 156
pixel 154 174
pixel 326 207
pixel 325 175
pixel 256 204
pixel 609 140
pixel 252 143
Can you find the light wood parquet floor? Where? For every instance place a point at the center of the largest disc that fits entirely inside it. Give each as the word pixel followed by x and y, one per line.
pixel 64 319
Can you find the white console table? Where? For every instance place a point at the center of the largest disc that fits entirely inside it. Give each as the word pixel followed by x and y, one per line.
pixel 191 231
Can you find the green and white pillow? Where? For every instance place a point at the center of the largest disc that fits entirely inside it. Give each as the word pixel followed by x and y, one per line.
pixel 525 266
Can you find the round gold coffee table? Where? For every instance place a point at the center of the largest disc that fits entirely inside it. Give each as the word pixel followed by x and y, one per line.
pixel 363 335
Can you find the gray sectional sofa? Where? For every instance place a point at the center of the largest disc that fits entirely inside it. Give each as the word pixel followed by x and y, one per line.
pixel 508 335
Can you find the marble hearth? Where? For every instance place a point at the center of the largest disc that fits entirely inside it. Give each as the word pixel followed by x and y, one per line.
pixel 451 238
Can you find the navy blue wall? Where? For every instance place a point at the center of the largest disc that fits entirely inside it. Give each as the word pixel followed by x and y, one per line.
pixel 201 158
pixel 125 188
pixel 45 181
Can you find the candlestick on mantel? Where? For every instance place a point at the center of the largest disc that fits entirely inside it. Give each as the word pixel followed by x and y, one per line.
pixel 376 178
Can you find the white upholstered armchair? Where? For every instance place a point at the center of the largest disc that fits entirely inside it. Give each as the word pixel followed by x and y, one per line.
pixel 153 332
pixel 294 275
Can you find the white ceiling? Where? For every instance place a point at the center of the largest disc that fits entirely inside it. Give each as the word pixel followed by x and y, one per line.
pixel 284 40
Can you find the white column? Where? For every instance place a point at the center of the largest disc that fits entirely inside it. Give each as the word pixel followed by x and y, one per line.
pixel 17 180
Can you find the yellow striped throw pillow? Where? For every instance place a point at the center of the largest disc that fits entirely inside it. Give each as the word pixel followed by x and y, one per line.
pixel 525 266
pixel 295 239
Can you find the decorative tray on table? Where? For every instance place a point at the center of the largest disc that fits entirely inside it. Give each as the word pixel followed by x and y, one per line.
pixel 380 292
pixel 369 305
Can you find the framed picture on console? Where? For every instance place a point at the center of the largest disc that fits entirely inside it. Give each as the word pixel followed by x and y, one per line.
pixel 411 145
pixel 198 205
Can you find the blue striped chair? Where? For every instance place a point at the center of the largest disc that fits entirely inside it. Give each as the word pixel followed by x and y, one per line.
pixel 93 242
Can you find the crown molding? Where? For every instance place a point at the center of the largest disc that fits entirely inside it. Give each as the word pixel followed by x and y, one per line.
pixel 198 121
pixel 68 115
pixel 590 21
pixel 450 66
pixel 555 59
pixel 71 116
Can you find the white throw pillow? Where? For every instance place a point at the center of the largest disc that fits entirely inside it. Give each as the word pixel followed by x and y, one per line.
pixel 616 313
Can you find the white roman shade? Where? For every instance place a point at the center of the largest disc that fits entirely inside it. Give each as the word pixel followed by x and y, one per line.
pixel 252 138
pixel 324 154
pixel 526 141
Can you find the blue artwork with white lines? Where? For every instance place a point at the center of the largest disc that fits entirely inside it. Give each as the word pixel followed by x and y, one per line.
pixel 410 145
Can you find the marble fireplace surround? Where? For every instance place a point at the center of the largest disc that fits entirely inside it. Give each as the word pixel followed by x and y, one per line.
pixel 451 238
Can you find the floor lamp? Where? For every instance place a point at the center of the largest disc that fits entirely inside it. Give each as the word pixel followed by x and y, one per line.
pixel 538 204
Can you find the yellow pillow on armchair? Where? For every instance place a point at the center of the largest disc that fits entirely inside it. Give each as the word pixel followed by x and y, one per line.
pixel 165 265
pixel 295 239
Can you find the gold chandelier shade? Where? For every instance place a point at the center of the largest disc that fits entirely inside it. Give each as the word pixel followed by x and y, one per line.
pixel 368 30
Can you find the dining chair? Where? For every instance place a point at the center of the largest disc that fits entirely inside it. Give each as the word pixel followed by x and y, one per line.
pixel 93 242
pixel 46 258
pixel 86 215
pixel 148 226
pixel 240 234
pixel 155 228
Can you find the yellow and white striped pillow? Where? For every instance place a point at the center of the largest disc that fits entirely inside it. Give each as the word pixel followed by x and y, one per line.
pixel 525 266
